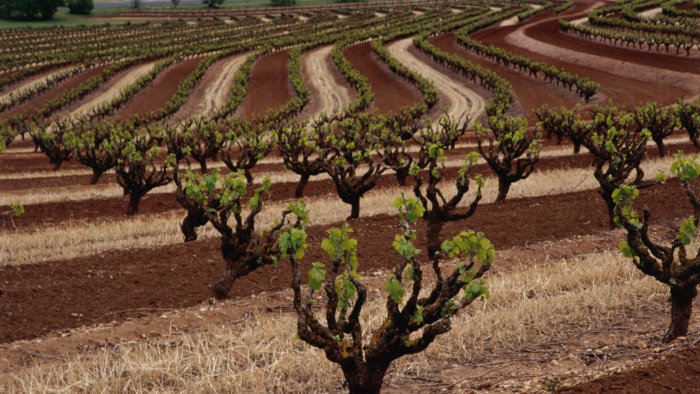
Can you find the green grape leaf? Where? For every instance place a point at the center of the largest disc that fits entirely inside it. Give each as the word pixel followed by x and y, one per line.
pixel 317 274
pixel 687 231
pixel 626 249
pixel 395 289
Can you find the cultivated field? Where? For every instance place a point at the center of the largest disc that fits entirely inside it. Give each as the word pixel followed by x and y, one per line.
pixel 120 142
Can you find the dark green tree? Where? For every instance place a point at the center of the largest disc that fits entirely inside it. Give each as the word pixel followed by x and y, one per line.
pixel 80 7
pixel 29 9
pixel 213 3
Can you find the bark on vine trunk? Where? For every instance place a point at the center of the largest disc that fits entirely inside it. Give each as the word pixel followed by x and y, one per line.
pixel 365 379
pixel 433 236
pixel 503 188
pixel 299 193
pixel 402 176
pixel 660 145
pixel 681 310
pixel 577 147
pixel 96 174
pixel 134 201
pixel 607 197
pixel 236 266
pixel 189 225
pixel 355 210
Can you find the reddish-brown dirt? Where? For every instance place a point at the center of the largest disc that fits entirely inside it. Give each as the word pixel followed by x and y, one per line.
pixel 677 373
pixel 160 91
pixel 687 6
pixel 52 93
pixel 624 92
pixel 54 296
pixel 531 93
pixel 548 31
pixel 93 210
pixel 269 86
pixel 391 93
pixel 109 285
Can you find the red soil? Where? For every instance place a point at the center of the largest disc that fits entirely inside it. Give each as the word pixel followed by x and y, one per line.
pixel 548 31
pixel 625 92
pixel 391 93
pixel 677 373
pixel 114 208
pixel 37 299
pixel 52 93
pixel 160 91
pixel 269 87
pixel 531 93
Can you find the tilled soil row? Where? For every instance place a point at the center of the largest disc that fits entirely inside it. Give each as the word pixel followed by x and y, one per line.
pixel 391 93
pixel 675 373
pixel 13 162
pixel 331 92
pixel 76 180
pixel 623 91
pixel 269 86
pixel 52 93
pixel 163 88
pixel 530 93
pixel 37 299
pixel 93 210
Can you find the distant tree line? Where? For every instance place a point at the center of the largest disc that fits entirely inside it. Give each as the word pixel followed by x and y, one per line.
pixel 29 9
pixel 42 9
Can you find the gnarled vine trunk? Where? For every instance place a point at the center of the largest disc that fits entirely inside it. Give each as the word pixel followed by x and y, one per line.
pixel 189 225
pixel 365 378
pixel 134 201
pixel 299 193
pixel 681 310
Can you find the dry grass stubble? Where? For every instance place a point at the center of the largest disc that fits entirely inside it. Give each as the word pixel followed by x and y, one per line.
pixel 86 192
pixel 530 302
pixel 75 240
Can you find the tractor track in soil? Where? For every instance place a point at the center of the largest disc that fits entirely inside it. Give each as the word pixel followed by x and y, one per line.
pixel 331 93
pixel 212 91
pixel 460 99
pixel 52 93
pixel 530 93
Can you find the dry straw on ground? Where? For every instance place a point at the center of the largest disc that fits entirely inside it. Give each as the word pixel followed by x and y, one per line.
pixel 530 302
pixel 74 240
pixel 86 192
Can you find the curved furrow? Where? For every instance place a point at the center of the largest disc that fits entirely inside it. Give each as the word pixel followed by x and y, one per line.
pixel 213 90
pixel 330 94
pixel 113 89
pixel 461 100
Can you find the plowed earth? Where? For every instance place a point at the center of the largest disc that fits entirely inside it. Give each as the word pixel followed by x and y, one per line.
pixel 52 93
pixel 269 87
pixel 615 69
pixel 104 209
pixel 37 299
pixel 391 93
pixel 160 91
pixel 530 93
